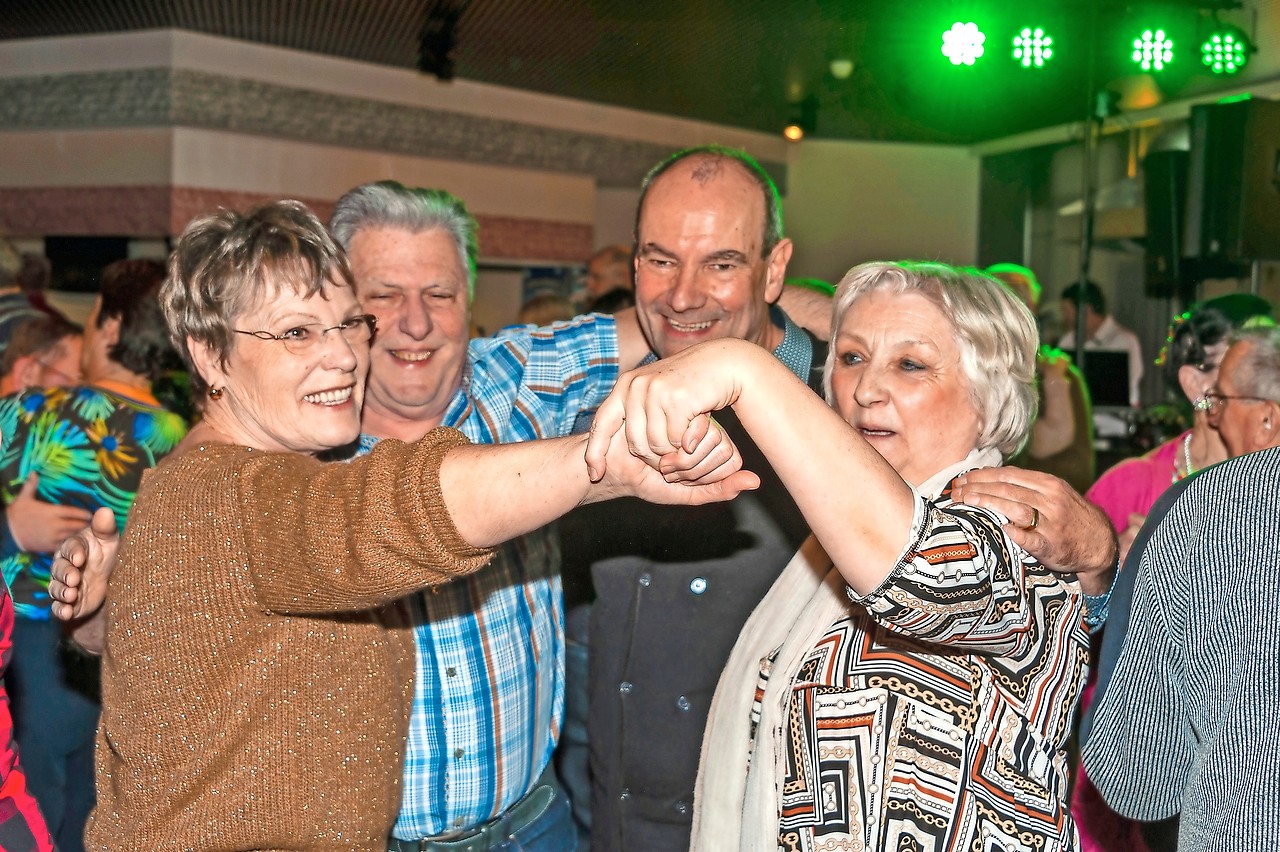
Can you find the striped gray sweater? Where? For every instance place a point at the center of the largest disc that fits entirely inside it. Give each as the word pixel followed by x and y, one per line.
pixel 1187 716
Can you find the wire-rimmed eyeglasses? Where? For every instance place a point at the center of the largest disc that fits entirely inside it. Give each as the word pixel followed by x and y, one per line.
pixel 1213 401
pixel 65 377
pixel 302 339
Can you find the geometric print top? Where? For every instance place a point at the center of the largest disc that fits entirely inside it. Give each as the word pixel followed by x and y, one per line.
pixel 936 718
pixel 90 446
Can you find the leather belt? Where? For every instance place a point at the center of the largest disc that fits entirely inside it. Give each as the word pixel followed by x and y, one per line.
pixel 488 834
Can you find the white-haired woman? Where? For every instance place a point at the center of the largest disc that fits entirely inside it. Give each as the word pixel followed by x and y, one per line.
pixel 909 680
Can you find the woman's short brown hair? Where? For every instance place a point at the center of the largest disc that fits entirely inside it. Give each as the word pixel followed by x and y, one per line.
pixel 227 262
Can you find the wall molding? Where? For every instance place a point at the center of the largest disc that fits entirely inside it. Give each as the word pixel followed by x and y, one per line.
pixel 160 97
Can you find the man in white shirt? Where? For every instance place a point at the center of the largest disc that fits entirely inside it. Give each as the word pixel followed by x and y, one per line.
pixel 1102 332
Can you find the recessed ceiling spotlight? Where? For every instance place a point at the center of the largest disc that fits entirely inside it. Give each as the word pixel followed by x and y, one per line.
pixel 841 68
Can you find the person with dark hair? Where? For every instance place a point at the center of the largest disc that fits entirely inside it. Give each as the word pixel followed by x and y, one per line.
pixel 44 352
pixel 1197 342
pixel 1102 332
pixel 89 444
pixel 617 299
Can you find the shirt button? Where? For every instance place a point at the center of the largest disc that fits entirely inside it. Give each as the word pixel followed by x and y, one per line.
pixel 698 585
pixel 683 703
pixel 457 752
pixel 625 687
pixel 682 808
pixel 451 671
pixel 626 794
pixel 645 580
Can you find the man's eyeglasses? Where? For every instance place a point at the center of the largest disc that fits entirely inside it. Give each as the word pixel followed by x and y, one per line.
pixel 303 339
pixel 1213 401
pixel 64 377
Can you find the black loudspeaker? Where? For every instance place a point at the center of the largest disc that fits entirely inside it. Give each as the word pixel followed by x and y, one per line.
pixel 1233 182
pixel 1165 199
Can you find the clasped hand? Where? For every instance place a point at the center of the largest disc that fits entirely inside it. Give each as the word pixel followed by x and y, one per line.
pixel 662 413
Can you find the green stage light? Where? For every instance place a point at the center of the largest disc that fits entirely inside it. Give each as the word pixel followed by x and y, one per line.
pixel 1225 51
pixel 1153 50
pixel 962 44
pixel 1032 48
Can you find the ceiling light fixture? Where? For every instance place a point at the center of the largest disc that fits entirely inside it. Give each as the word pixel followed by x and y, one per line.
pixel 1226 50
pixel 1032 47
pixel 1153 50
pixel 962 44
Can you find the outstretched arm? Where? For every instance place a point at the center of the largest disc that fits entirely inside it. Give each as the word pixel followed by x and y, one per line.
pixel 856 504
pixel 495 493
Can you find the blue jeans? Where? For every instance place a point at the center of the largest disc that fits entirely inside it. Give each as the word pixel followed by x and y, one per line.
pixel 53 693
pixel 572 753
pixel 554 831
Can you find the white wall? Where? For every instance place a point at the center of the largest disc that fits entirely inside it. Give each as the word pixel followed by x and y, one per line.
pixel 849 202
pixel 615 215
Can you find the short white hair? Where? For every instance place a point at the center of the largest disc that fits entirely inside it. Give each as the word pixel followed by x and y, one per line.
pixel 996 333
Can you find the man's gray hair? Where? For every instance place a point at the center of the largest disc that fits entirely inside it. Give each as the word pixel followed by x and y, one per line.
pixel 995 331
pixel 1258 370
pixel 391 204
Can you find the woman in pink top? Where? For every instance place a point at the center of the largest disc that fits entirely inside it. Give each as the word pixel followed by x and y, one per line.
pixel 1198 339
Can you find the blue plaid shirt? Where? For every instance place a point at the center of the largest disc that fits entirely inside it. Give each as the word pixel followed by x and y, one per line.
pixel 489 693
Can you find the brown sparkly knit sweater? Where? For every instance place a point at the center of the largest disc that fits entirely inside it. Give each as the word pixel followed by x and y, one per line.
pixel 252 698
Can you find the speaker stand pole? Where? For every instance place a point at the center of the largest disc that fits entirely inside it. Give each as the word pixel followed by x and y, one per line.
pixel 1087 214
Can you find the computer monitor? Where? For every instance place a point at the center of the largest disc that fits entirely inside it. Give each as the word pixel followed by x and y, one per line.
pixel 1106 372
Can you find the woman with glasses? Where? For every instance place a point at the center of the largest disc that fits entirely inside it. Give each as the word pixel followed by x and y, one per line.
pixel 1193 354
pixel 257 676
pixel 87 445
pixel 1197 343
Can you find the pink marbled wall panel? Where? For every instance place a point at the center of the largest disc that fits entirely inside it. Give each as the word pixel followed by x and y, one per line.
pixel 157 211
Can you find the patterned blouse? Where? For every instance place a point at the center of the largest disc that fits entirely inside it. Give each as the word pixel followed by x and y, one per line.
pixel 937 717
pixel 90 446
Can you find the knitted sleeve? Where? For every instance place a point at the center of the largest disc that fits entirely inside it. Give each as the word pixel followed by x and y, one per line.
pixel 333 537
